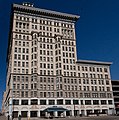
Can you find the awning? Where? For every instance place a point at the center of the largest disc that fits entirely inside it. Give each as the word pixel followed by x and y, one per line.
pixel 55 108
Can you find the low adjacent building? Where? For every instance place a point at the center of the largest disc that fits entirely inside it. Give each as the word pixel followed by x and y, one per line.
pixel 115 88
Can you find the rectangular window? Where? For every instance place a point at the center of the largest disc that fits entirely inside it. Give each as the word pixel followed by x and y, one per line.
pixel 14 78
pixel 34 102
pixel 15 56
pixel 60 102
pixel 75 102
pixel 67 102
pixel 18 86
pixel 51 102
pixel 87 102
pixel 95 102
pixel 26 86
pixel 103 102
pixel 24 102
pixel 15 102
pixel 110 102
pixel 42 102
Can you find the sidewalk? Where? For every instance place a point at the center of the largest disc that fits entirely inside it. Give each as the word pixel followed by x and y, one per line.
pixel 3 118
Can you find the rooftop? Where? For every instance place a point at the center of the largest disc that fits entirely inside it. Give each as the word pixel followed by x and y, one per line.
pixel 94 62
pixel 27 7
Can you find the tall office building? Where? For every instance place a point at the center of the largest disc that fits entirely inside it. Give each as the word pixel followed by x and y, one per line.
pixel 44 76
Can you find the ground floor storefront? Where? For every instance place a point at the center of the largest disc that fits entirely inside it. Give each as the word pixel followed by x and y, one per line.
pixel 55 114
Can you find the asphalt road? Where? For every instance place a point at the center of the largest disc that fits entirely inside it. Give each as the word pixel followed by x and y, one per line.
pixel 95 118
pixel 3 118
pixel 73 118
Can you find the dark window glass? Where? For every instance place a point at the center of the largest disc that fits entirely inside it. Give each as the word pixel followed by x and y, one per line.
pixel 42 102
pixel 67 102
pixel 15 102
pixel 24 102
pixel 75 102
pixel 95 102
pixel 51 102
pixel 34 102
pixel 60 102
pixel 87 102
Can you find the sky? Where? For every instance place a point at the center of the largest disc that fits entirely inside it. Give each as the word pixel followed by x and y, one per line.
pixel 97 30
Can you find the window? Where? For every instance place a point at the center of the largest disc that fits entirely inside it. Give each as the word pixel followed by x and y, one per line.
pixel 108 88
pixel 15 50
pixel 102 95
pixel 82 102
pixel 18 78
pixel 27 65
pixel 14 86
pixel 42 102
pixel 26 93
pixel 35 85
pixel 67 102
pixel 22 86
pixel 95 95
pixel 24 102
pixel 87 102
pixel 15 102
pixel 51 102
pixel 106 76
pixel 75 102
pixel 15 42
pixel 87 95
pixel 107 82
pixel 34 102
pixel 23 43
pixel 26 86
pixel 33 113
pixel 18 86
pixel 27 50
pixel 35 93
pixel 109 95
pixel 60 102
pixel 23 64
pixel 27 57
pixel 14 78
pixel 23 57
pixel 95 102
pixel 103 102
pixel 110 102
pixel 105 69
pixel 19 50
pixel 15 56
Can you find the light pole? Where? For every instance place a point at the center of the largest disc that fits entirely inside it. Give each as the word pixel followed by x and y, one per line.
pixel 11 101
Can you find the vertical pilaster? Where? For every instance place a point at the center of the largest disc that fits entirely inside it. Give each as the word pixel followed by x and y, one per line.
pixel 55 114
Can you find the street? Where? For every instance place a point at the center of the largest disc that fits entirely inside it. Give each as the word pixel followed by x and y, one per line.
pixel 71 118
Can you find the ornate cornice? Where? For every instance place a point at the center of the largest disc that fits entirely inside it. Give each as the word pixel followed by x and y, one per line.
pixel 44 12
